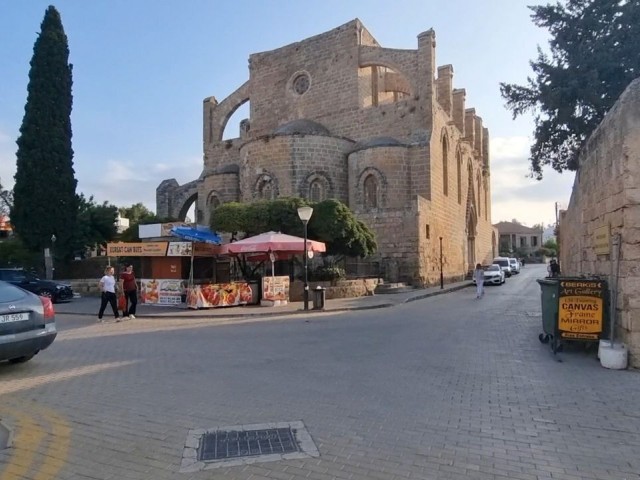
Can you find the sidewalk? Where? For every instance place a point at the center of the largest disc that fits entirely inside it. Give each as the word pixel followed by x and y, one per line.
pixel 89 305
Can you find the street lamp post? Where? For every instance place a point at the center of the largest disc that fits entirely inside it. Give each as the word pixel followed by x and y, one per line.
pixel 305 214
pixel 53 253
pixel 441 273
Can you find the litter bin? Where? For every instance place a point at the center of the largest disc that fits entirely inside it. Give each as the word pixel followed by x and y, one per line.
pixel 549 301
pixel 319 297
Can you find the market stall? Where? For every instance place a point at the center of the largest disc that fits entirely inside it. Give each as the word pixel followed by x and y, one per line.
pixel 273 246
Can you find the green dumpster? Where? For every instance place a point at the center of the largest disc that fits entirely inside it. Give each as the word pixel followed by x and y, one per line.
pixel 573 309
pixel 549 301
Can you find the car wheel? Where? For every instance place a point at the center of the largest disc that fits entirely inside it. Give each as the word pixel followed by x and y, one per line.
pixel 47 293
pixel 26 358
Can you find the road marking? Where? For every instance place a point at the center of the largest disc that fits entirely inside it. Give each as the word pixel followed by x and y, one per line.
pixel 58 450
pixel 27 440
pixel 12 386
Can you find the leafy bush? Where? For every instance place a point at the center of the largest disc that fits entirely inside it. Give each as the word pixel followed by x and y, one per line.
pixel 324 274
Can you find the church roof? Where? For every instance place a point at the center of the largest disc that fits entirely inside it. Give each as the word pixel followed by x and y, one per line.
pixel 302 127
pixel 377 142
pixel 506 228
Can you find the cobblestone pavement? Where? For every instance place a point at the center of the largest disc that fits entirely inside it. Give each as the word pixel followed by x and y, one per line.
pixel 448 387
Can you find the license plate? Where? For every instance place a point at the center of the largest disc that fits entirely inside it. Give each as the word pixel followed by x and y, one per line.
pixel 14 317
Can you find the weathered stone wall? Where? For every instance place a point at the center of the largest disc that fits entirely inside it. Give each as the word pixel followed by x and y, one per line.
pixel 292 162
pixel 606 191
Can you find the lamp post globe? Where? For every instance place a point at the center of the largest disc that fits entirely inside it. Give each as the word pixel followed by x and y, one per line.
pixel 305 215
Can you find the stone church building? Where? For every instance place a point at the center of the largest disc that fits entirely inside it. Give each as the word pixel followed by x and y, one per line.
pixel 380 129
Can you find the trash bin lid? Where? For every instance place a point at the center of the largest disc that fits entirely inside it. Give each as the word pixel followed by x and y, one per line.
pixel 547 281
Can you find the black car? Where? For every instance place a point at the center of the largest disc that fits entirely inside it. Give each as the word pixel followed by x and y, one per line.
pixel 56 291
pixel 27 324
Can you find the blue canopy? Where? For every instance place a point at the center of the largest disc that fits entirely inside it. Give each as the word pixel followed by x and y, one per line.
pixel 196 235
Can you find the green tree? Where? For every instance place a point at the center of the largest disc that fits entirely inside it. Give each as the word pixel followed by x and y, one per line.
pixel 137 213
pixel 593 57
pixel 95 224
pixel 551 246
pixel 332 222
pixel 6 200
pixel 45 201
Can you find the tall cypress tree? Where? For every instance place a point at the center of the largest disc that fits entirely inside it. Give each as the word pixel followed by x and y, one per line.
pixel 45 201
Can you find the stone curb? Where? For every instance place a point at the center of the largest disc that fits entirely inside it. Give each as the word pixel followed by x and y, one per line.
pixel 275 313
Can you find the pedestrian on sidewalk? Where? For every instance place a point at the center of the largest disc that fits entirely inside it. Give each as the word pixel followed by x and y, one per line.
pixel 478 276
pixel 130 289
pixel 108 288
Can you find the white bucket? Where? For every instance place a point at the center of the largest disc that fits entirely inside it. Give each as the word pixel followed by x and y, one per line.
pixel 603 343
pixel 614 356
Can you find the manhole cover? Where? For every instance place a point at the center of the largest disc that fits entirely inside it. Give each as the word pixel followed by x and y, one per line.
pixel 231 444
pixel 244 444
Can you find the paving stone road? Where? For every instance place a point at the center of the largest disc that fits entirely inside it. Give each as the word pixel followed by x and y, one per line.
pixel 448 387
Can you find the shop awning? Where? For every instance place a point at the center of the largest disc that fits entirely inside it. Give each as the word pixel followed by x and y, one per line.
pixel 196 235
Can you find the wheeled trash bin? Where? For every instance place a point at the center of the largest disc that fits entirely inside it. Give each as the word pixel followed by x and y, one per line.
pixel 319 297
pixel 573 309
pixel 549 301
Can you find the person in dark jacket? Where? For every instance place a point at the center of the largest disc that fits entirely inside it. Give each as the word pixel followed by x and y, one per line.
pixel 130 289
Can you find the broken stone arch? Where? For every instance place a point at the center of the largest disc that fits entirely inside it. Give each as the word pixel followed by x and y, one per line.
pixel 174 200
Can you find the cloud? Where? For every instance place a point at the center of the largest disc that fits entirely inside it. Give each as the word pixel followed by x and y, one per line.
pixel 515 194
pixel 124 183
pixel 7 159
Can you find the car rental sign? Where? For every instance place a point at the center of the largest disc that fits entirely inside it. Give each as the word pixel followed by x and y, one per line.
pixel 581 309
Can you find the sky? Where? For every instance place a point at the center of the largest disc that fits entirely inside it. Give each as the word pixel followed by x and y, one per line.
pixel 142 68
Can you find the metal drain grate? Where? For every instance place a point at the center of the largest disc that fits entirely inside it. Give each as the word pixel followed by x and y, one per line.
pixel 237 445
pixel 232 444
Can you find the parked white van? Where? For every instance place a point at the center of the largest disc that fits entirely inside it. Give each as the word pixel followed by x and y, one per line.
pixel 505 265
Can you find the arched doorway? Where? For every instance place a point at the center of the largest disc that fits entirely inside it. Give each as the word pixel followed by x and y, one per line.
pixel 472 222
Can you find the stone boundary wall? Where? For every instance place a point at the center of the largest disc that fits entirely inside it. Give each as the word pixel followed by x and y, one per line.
pixel 606 191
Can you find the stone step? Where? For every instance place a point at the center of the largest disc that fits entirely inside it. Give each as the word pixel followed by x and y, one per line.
pixel 390 288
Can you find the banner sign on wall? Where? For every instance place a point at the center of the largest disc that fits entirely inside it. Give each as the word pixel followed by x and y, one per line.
pixel 219 295
pixel 137 249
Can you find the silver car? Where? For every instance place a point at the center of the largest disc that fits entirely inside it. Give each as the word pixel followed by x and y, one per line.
pixel 27 323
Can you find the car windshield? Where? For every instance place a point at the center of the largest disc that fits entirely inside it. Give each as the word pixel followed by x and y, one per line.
pixel 492 268
pixel 504 263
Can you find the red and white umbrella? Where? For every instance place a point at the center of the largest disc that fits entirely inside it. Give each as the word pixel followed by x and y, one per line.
pixel 272 242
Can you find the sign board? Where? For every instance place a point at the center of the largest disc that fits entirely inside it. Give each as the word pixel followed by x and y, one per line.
pixel 581 309
pixel 601 238
pixel 161 292
pixel 137 249
pixel 180 249
pixel 218 295
pixel 275 288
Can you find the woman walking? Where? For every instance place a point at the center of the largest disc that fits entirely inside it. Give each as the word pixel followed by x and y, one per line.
pixel 130 289
pixel 108 288
pixel 478 276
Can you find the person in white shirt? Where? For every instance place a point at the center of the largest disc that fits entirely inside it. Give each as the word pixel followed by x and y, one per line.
pixel 108 288
pixel 478 275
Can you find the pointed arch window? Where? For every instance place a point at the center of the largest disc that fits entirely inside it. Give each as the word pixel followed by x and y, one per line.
pixel 479 196
pixel 459 174
pixel 316 191
pixel 266 190
pixel 445 166
pixel 214 202
pixel 371 189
